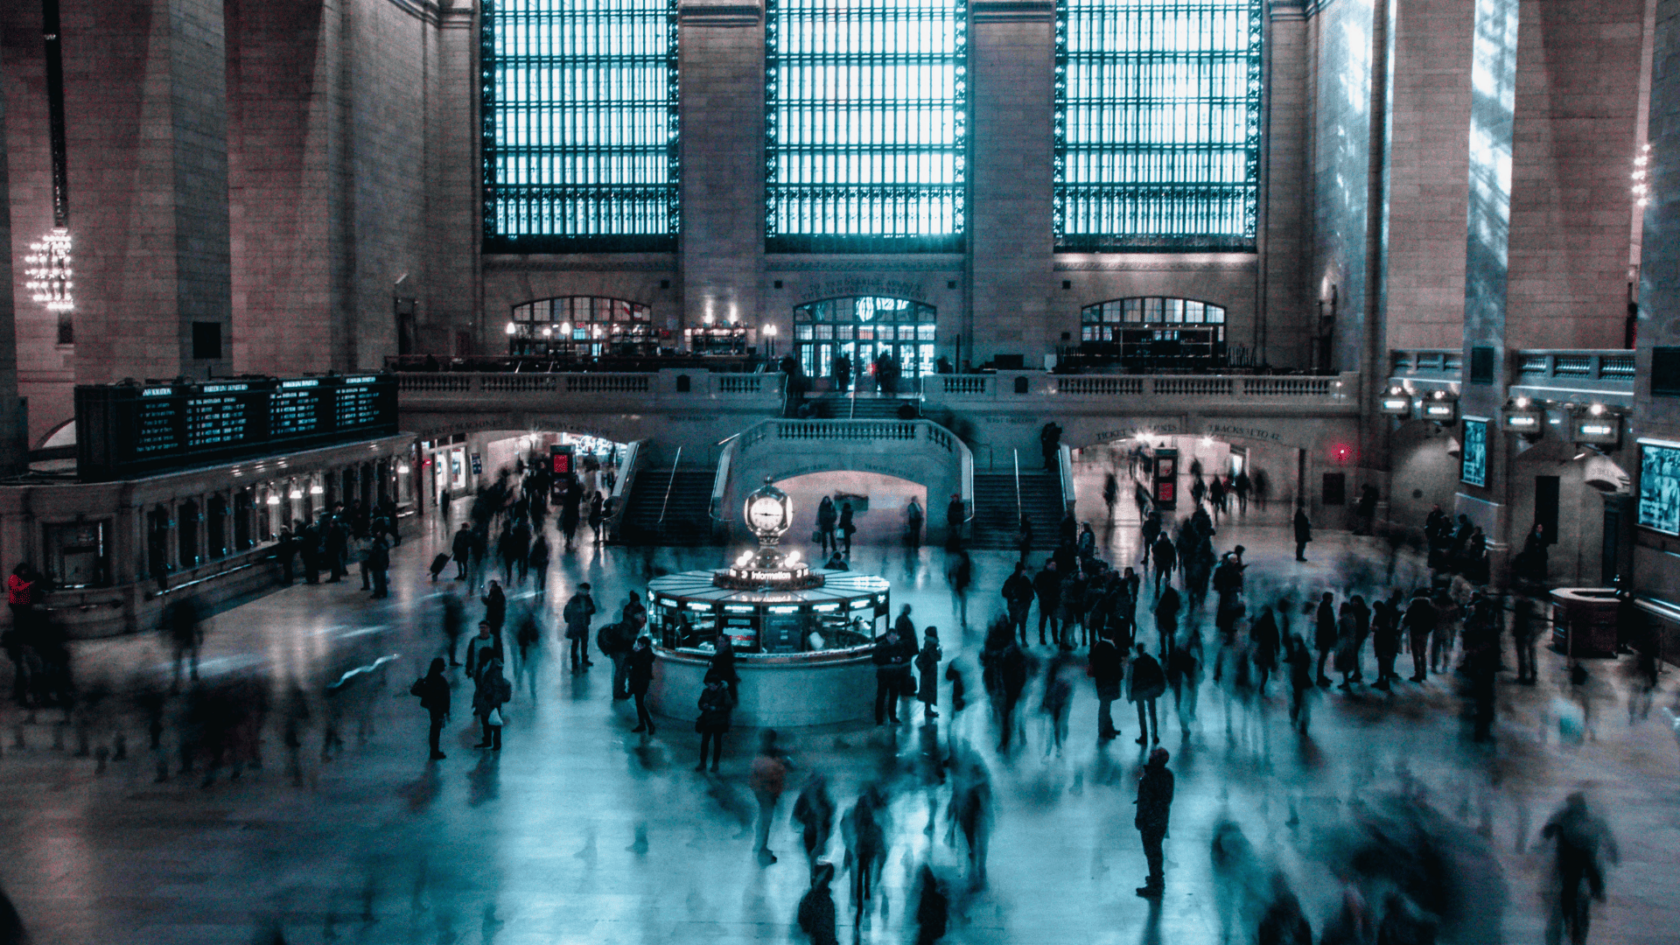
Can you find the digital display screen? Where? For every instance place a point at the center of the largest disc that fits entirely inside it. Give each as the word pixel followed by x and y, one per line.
pixel 1473 467
pixel 1659 487
pixel 562 464
pixel 124 430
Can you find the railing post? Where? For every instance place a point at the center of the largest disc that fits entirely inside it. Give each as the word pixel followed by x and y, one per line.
pixel 1018 513
pixel 677 461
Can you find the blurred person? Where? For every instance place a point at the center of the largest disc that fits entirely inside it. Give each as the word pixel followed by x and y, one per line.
pixel 1165 556
pixel 970 811
pixel 527 637
pixel 767 778
pixel 378 563
pixel 1525 633
pixel 1235 869
pixel 495 607
pixel 1018 597
pixel 183 622
pixel 1300 683
pixel 913 518
pixel 1419 621
pixel 827 517
pixel 1582 841
pixel 817 915
pixel 1284 923
pixel 596 519
pixel 1058 699
pixel 1385 639
pixel 577 614
pixel 638 679
pixel 454 624
pixel 1352 924
pixel 433 690
pixel 491 692
pixel 1154 807
pixel 1326 633
pixel 813 814
pixel 933 907
pixel 847 528
pixel 865 828
pixel 536 560
pixel 1048 585
pixel 1184 675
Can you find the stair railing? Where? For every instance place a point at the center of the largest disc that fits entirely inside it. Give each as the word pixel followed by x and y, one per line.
pixel 668 484
pixel 628 467
pixel 1018 513
pixel 1064 466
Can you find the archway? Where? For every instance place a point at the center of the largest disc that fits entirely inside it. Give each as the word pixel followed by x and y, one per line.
pixel 879 503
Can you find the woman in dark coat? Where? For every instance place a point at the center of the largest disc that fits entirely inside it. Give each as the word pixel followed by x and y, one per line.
pixel 723 667
pixel 927 666
pixel 639 676
pixel 713 721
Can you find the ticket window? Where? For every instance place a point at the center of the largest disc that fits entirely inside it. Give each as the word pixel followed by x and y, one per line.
pixel 78 554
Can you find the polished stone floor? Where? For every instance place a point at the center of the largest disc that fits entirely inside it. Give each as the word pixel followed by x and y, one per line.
pixel 583 832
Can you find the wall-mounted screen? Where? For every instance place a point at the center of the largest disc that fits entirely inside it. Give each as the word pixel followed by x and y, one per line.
pixel 1473 466
pixel 1659 486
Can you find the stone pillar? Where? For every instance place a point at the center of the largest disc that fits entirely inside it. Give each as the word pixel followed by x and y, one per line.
pixel 14 424
pixel 1010 235
pixel 721 248
pixel 1285 312
pixel 146 118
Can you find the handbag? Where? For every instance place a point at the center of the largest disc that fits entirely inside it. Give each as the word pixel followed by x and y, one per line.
pixel 495 719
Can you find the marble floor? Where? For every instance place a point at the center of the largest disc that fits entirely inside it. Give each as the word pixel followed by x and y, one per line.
pixel 580 831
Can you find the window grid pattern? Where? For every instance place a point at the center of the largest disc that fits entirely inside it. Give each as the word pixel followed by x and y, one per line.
pixel 1157 124
pixel 863 329
pixel 865 124
pixel 1104 321
pixel 580 124
pixel 588 325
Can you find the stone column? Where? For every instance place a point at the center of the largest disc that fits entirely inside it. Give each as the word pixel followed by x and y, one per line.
pixel 14 424
pixel 721 248
pixel 1012 146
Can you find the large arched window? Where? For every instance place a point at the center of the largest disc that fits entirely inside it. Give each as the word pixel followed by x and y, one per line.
pixel 863 328
pixel 581 326
pixel 1157 124
pixel 865 124
pixel 1154 333
pixel 579 125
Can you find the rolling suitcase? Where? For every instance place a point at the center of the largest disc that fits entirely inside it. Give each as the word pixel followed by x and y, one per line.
pixel 438 564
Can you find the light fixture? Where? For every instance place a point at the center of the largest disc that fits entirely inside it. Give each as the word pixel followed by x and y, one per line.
pixel 47 267
pixel 296 493
pixel 1596 410
pixel 1395 402
pixel 315 488
pixel 402 468
pixel 511 328
pixel 770 330
pixel 1641 187
pixel 1522 416
pixel 274 498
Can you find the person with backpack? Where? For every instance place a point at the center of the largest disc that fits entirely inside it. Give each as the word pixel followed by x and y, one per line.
pixel 492 692
pixel 433 690
pixel 616 640
pixel 577 615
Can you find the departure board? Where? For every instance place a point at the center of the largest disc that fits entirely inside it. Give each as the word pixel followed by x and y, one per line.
pixel 125 430
pixel 220 415
pixel 295 408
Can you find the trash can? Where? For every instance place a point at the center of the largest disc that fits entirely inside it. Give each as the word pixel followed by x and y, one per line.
pixel 1588 614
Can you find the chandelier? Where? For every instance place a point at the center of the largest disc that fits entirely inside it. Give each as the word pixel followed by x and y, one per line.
pixel 48 269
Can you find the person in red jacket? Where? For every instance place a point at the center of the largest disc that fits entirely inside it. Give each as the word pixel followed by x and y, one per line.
pixel 21 592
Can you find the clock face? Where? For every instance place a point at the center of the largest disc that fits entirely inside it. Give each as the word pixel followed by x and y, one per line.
pixel 765 514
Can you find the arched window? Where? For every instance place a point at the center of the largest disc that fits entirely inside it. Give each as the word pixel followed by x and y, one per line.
pixel 581 326
pixel 865 105
pixel 863 328
pixel 1157 124
pixel 580 125
pixel 1155 332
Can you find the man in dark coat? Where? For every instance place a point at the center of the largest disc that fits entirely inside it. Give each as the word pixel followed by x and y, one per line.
pixel 1149 682
pixel 577 615
pixel 891 657
pixel 461 548
pixel 1166 559
pixel 1303 533
pixel 379 566
pixel 1108 669
pixel 1420 622
pixel 1154 804
pixel 639 676
pixel 1048 584
pixel 955 512
pixel 1018 597
pixel 1326 634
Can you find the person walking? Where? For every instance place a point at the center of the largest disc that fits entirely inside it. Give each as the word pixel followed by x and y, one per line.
pixel 955 512
pixel 1018 597
pixel 1582 841
pixel 1303 533
pixel 489 695
pixel 1107 668
pixel 1165 554
pixel 454 624
pixel 1149 682
pixel 846 527
pixel 813 814
pixel 715 709
pixel 817 914
pixel 433 690
pixel 1154 806
pixel 767 779
pixel 597 516
pixel 461 547
pixel 537 560
pixel 638 678
pixel 927 667
pixel 577 614
pixel 379 566
pixel 1300 682
pixel 913 518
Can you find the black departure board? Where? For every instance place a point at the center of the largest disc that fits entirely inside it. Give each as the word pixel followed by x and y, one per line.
pixel 128 430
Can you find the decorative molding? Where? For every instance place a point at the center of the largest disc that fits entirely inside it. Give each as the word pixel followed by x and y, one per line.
pixel 947 263
pixel 426 10
pixel 1012 11
pixel 723 13
pixel 666 263
pixel 1155 263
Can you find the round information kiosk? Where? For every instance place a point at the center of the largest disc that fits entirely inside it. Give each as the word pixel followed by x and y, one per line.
pixel 802 636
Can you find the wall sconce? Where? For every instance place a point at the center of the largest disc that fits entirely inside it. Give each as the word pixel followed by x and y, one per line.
pixel 1524 417
pixel 1395 402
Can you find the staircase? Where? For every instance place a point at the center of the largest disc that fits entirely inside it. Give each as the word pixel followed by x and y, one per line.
pixel 687 515
pixel 996 524
pixel 839 407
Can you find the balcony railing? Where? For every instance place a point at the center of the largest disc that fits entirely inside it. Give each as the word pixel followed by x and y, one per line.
pixel 661 384
pixel 1268 388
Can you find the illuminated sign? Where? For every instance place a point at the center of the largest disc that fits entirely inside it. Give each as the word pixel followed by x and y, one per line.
pixel 1599 431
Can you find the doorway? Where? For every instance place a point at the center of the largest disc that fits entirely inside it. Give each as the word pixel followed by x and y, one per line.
pixel 1546 506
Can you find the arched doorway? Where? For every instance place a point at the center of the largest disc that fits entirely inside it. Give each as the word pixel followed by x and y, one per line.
pixel 863 328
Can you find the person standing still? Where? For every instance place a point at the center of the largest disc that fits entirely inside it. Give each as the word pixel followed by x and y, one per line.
pixel 714 720
pixel 1107 668
pixel 913 518
pixel 1303 533
pixel 577 615
pixel 1149 681
pixel 639 676
pixel 1154 805
pixel 847 528
pixel 433 690
pixel 927 666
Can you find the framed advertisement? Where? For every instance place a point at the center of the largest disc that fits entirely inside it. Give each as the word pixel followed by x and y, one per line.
pixel 1659 486
pixel 1473 464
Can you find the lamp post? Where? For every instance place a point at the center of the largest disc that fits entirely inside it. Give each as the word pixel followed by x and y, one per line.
pixel 770 340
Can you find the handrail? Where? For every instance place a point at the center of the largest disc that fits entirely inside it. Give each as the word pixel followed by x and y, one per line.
pixel 966 458
pixel 1064 463
pixel 720 481
pixel 627 469
pixel 1018 513
pixel 675 462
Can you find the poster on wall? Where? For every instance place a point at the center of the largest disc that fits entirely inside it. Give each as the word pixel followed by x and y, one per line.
pixel 1473 467
pixel 1659 486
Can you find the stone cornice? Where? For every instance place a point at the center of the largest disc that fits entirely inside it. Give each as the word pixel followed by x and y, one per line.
pixel 723 13
pixel 1012 11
